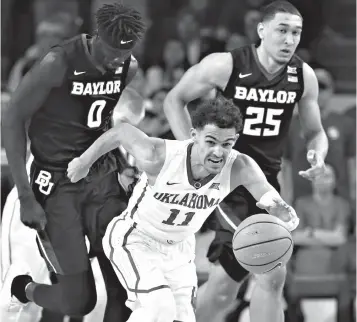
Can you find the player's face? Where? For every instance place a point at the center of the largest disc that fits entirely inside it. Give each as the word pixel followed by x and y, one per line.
pixel 214 146
pixel 280 36
pixel 111 58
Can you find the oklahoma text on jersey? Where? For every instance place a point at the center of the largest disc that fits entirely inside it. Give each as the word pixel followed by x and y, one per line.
pixel 190 200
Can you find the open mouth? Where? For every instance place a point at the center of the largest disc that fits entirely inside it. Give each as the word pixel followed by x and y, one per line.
pixel 285 51
pixel 215 161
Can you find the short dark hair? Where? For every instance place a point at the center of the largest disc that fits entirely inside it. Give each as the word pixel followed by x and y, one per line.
pixel 218 111
pixel 269 11
pixel 118 22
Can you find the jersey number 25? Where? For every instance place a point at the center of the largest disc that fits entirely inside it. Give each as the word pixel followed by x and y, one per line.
pixel 251 125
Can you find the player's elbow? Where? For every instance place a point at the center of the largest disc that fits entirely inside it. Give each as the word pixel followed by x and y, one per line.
pixel 173 101
pixel 10 119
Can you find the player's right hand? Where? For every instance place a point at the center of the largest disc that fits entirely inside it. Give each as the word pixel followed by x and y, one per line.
pixel 32 214
pixel 77 170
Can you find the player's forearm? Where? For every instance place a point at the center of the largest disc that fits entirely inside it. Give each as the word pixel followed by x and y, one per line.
pixel 132 139
pixel 318 141
pixel 15 143
pixel 178 116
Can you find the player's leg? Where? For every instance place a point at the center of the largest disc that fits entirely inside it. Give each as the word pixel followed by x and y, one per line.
pixel 63 247
pixel 266 302
pixel 218 296
pixel 180 273
pixel 107 200
pixel 137 265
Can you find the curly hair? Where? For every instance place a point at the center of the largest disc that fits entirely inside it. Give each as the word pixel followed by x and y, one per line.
pixel 218 111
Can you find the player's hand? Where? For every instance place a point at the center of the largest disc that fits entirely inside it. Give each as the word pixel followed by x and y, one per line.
pixel 128 179
pixel 32 214
pixel 77 170
pixel 279 208
pixel 317 166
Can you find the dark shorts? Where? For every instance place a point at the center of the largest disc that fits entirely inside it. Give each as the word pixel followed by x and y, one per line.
pixel 236 207
pixel 74 210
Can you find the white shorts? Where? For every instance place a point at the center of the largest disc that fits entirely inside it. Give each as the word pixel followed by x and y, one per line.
pixel 144 265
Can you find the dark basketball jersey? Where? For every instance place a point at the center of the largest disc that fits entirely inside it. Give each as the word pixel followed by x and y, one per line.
pixel 266 102
pixel 78 111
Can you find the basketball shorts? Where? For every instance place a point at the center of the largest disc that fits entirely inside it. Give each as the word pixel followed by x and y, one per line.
pixel 73 211
pixel 236 207
pixel 144 265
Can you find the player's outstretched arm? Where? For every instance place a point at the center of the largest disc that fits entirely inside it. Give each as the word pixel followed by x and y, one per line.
pixel 212 72
pixel 246 172
pixel 310 119
pixel 148 152
pixel 25 101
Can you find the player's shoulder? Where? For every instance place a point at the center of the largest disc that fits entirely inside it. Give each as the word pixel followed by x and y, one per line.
pixel 242 162
pixel 175 147
pixel 51 65
pixel 217 61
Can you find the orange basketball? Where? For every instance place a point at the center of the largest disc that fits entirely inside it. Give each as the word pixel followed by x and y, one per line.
pixel 262 243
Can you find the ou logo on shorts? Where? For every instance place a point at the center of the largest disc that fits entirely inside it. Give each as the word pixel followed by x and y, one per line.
pixel 43 180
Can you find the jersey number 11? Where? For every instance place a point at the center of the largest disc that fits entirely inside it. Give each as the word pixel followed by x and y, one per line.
pixel 173 216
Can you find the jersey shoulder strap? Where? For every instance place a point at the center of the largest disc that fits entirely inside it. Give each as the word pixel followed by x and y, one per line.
pixel 242 58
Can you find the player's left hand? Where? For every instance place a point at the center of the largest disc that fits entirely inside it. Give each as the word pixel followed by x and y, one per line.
pixel 77 170
pixel 317 166
pixel 279 208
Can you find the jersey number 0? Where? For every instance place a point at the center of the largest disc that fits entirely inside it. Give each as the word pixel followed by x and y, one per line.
pixel 95 113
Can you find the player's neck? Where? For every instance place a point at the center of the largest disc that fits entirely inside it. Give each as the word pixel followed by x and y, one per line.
pixel 198 170
pixel 270 65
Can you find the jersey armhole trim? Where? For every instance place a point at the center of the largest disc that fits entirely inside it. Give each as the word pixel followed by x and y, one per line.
pixel 233 76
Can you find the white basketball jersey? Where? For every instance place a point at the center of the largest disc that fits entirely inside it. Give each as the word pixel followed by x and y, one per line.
pixel 176 206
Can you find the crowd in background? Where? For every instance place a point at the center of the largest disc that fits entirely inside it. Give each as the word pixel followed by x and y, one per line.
pixel 180 34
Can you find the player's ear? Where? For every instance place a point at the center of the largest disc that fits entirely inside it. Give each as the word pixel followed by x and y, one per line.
pixel 193 133
pixel 260 30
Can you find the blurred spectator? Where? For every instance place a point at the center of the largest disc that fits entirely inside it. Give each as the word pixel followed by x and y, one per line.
pixel 155 122
pixel 232 14
pixel 49 32
pixel 341 133
pixel 17 32
pixel 324 216
pixel 170 70
pixel 249 35
pixel 320 265
pixel 351 113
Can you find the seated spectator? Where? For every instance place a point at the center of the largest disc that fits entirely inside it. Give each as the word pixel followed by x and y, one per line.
pixel 324 216
pixel 49 32
pixel 170 70
pixel 320 266
pixel 341 134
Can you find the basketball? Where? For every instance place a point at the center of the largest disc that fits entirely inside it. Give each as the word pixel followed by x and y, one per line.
pixel 262 243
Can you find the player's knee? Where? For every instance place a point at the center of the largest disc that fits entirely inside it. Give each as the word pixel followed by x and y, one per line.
pixel 272 281
pixel 223 288
pixel 76 306
pixel 163 302
pixel 79 296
